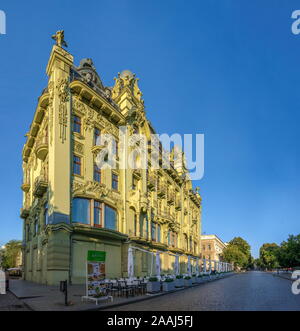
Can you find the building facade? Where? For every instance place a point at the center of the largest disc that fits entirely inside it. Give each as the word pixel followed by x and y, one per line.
pixel 212 247
pixel 71 206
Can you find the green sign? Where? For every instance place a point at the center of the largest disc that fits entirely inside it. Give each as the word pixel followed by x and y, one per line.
pixel 96 256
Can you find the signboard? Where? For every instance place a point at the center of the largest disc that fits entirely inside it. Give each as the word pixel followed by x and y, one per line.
pixel 95 273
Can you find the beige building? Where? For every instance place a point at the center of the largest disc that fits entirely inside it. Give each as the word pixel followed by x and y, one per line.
pixel 212 247
pixel 71 206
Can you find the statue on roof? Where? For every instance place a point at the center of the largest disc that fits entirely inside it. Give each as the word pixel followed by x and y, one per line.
pixel 59 37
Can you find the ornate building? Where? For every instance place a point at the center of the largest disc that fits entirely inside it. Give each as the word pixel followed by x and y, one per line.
pixel 71 206
pixel 212 247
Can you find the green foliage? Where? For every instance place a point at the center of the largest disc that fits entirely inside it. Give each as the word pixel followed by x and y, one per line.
pixel 242 245
pixel 10 253
pixel 187 277
pixel 153 279
pixel 269 256
pixel 169 280
pixel 233 254
pixel 179 277
pixel 287 255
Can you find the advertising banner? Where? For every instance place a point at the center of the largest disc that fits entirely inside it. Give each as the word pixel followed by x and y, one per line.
pixel 95 273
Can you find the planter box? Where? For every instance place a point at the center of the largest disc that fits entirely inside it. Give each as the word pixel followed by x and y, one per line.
pixel 205 279
pixel 194 280
pixel 153 287
pixel 168 286
pixel 188 282
pixel 179 282
pixel 199 280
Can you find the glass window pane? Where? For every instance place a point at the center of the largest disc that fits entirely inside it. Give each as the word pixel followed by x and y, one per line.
pixel 158 233
pixel 97 213
pixel 110 218
pixel 81 211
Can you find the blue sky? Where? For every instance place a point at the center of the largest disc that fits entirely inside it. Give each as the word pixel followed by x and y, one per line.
pixel 228 69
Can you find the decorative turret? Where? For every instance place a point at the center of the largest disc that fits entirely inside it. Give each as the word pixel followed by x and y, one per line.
pixel 126 91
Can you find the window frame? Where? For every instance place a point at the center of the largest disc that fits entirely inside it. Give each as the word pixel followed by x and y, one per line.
pixel 77 124
pixel 115 175
pixel 75 164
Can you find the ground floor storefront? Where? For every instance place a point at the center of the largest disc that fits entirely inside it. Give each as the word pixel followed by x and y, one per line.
pixel 62 255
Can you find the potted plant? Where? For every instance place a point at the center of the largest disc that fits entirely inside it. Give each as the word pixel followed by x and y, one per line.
pixel 153 285
pixel 168 285
pixel 179 281
pixel 187 281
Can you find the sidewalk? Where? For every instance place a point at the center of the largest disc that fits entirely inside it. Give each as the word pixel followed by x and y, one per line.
pixel 38 297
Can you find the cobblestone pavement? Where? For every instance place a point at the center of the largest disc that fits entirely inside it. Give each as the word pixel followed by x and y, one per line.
pixel 247 291
pixel 8 302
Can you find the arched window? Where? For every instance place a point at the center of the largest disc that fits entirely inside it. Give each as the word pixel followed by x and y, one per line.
pixel 81 211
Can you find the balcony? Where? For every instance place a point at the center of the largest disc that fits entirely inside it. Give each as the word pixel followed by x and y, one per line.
pixel 41 149
pixel 25 187
pixel 161 190
pixel 171 197
pixel 178 204
pixel 24 213
pixel 40 186
pixel 151 182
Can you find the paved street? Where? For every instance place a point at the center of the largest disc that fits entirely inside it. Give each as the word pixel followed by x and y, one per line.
pixel 248 291
pixel 9 302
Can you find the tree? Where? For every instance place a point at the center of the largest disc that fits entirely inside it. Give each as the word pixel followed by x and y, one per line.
pixel 269 256
pixel 233 254
pixel 10 254
pixel 242 244
pixel 289 253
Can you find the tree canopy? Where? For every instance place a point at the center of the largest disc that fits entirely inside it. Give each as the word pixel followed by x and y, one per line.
pixel 238 252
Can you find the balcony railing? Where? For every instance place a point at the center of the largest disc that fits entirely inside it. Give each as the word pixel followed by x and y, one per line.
pixel 161 190
pixel 171 197
pixel 40 186
pixel 25 187
pixel 41 149
pixel 178 203
pixel 151 182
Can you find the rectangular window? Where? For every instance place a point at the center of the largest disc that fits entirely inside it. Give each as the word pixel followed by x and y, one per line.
pixel 97 214
pixel 46 215
pixel 153 231
pixel 97 134
pixel 81 211
pixel 77 124
pixel 110 218
pixel 97 173
pixel 36 225
pixel 76 165
pixel 158 233
pixel 115 182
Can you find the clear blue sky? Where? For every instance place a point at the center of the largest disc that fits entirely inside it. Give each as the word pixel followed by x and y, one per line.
pixel 229 69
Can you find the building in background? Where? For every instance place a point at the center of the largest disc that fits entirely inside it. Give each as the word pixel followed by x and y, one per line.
pixel 212 247
pixel 70 206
